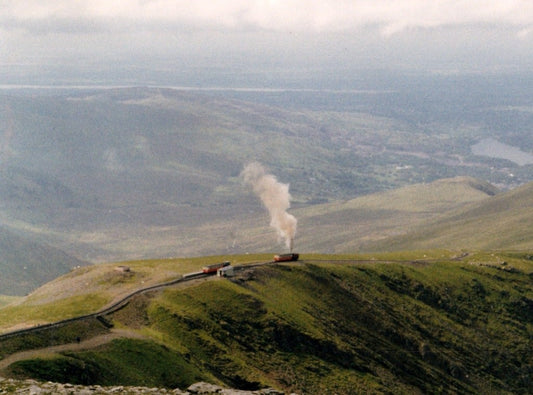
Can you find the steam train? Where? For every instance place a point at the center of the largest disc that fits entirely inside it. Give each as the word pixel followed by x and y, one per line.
pixel 214 267
pixel 286 257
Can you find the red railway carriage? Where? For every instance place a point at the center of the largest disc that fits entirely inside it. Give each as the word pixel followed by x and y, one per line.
pixel 286 257
pixel 214 267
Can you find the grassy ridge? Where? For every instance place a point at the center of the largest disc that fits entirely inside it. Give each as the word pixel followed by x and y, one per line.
pixel 120 358
pixel 501 222
pixel 358 223
pixel 90 288
pixel 68 333
pixel 423 322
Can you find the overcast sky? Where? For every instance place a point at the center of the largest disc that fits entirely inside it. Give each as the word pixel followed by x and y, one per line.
pixel 163 35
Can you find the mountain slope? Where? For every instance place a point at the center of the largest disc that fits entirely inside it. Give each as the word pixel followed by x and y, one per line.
pixel 117 174
pixel 91 171
pixel 90 288
pixel 26 264
pixel 351 225
pixel 339 227
pixel 502 221
pixel 417 323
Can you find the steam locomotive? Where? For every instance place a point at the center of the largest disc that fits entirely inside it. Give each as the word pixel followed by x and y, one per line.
pixel 286 257
pixel 214 267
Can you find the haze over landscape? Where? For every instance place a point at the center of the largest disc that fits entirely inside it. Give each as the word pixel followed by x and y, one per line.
pixel 243 44
pixel 388 142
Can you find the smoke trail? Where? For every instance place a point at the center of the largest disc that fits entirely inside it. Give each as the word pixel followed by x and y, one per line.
pixel 275 197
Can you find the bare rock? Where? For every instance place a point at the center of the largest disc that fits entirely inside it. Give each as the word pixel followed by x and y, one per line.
pixel 204 388
pixel 33 387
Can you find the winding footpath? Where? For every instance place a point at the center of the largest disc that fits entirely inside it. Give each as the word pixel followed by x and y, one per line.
pixel 99 339
pixel 107 310
pixel 122 333
pixel 83 345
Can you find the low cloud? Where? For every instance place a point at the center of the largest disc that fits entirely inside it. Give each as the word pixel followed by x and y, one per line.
pixel 161 35
pixel 289 16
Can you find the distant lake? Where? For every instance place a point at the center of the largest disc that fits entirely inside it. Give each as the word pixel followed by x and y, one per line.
pixel 494 149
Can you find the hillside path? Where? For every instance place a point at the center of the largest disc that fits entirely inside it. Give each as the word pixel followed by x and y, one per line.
pixel 86 344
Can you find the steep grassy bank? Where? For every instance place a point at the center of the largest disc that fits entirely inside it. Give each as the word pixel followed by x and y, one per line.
pixel 419 323
pixel 499 222
pixel 90 288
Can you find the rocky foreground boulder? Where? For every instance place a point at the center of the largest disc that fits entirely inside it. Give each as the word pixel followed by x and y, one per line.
pixel 33 387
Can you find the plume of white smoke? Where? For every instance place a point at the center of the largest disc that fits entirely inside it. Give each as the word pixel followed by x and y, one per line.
pixel 275 197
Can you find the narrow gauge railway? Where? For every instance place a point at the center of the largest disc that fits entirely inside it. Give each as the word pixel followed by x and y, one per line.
pixel 286 257
pixel 214 267
pixel 206 271
pixel 108 310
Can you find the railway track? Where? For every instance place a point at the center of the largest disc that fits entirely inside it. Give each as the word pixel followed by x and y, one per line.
pixel 121 303
pixel 107 310
pixel 186 277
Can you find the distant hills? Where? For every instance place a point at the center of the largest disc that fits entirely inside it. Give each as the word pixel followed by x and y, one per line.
pixel 26 264
pixel 360 224
pixel 458 213
pixel 500 222
pixel 116 174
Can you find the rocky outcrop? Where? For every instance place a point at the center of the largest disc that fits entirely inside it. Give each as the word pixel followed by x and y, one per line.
pixel 206 388
pixel 33 387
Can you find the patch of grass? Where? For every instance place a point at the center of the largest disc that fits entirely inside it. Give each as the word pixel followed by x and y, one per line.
pixel 128 361
pixel 6 300
pixel 58 369
pixel 51 312
pixel 89 289
pixel 67 333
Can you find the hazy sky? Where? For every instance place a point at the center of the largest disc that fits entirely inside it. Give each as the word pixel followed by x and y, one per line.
pixel 164 36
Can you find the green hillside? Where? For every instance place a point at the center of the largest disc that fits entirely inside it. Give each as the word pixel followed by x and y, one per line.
pixel 90 288
pixel 351 225
pixel 502 221
pixel 427 322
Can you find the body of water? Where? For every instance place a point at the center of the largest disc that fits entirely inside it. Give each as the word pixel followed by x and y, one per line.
pixel 493 148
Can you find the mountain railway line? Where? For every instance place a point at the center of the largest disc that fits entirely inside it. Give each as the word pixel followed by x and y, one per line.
pixel 100 315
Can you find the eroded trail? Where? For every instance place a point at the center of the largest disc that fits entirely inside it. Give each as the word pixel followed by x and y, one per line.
pixel 83 345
